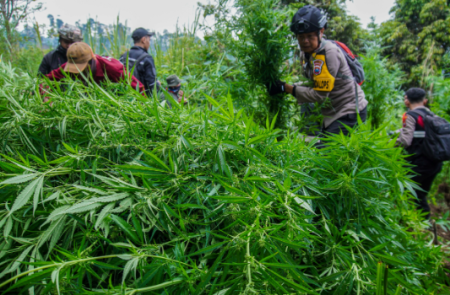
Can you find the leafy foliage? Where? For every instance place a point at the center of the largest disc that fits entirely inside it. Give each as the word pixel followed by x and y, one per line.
pixel 12 14
pixel 105 191
pixel 263 45
pixel 381 86
pixel 417 38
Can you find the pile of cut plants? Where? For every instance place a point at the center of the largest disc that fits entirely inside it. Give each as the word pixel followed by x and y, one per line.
pixel 104 191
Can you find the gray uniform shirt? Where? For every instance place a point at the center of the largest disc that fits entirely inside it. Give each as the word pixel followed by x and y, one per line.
pixel 407 132
pixel 343 95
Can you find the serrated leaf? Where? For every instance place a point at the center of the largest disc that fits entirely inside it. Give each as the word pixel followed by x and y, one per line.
pixel 90 189
pixel 83 207
pixel 24 196
pixel 304 204
pixel 129 266
pixel 8 228
pixel 103 214
pixel 38 192
pixel 111 198
pixel 20 179
pixel 56 234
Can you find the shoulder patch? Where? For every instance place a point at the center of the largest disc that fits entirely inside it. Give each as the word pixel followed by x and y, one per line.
pixel 405 116
pixel 318 64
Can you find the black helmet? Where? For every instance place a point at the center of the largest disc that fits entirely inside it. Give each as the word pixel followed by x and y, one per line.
pixel 308 19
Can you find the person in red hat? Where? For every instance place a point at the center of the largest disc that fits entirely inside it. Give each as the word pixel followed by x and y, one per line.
pixel 82 63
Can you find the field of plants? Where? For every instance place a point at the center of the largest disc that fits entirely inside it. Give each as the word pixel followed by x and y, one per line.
pixel 104 191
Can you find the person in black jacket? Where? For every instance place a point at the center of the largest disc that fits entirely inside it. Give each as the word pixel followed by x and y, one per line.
pixel 141 61
pixel 54 59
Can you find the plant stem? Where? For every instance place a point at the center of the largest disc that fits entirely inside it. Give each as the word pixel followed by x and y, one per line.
pixel 156 287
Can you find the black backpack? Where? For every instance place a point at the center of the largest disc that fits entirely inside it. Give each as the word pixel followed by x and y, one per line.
pixel 436 140
pixel 132 63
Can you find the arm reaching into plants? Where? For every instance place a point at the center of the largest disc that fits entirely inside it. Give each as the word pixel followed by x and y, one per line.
pixel 332 68
pixel 114 70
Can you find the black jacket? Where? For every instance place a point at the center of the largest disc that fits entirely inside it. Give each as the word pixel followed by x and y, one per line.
pixel 146 70
pixel 53 60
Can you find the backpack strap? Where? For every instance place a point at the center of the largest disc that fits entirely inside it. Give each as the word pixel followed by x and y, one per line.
pixel 123 57
pixel 126 56
pixel 424 112
pixel 343 48
pixel 416 113
pixel 141 57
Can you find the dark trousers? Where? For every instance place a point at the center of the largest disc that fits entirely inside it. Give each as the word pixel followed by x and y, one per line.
pixel 425 180
pixel 350 120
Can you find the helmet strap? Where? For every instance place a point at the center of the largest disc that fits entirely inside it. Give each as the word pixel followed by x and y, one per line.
pixel 318 36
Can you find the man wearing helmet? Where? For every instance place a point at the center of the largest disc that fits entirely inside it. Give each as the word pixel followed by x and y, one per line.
pixel 325 64
pixel 54 59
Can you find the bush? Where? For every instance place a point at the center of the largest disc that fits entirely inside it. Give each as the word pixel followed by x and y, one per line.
pixel 263 45
pixel 107 192
pixel 381 87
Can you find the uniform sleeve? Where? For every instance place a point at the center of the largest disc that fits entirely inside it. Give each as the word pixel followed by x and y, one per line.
pixel 44 67
pixel 56 74
pixel 328 70
pixel 407 132
pixel 115 72
pixel 112 68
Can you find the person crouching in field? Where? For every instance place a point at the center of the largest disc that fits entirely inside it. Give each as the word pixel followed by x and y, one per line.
pixel 325 63
pixel 54 59
pixel 84 65
pixel 174 89
pixel 411 138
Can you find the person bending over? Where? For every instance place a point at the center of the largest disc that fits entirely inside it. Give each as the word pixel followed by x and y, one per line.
pixel 83 64
pixel 54 59
pixel 325 65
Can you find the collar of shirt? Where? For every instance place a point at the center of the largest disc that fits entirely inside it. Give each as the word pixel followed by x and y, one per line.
pixel 139 48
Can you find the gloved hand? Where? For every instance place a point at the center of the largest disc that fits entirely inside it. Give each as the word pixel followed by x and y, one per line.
pixel 275 88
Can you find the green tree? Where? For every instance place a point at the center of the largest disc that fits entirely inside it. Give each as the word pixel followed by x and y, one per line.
pixel 12 13
pixel 417 37
pixel 381 86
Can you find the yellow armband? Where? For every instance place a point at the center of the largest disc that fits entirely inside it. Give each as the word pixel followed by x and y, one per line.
pixel 323 80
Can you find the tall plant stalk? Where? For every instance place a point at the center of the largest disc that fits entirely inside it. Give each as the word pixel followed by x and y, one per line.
pixel 264 46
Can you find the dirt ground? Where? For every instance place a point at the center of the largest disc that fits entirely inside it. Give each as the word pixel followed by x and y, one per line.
pixel 444 236
pixel 438 211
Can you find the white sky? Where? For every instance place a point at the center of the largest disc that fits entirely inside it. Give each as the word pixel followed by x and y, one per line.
pixel 158 15
pixel 365 9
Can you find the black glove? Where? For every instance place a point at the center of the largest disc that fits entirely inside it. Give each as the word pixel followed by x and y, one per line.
pixel 275 88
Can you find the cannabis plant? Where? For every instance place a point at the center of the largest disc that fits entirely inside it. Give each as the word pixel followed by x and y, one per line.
pixel 104 191
pixel 264 45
